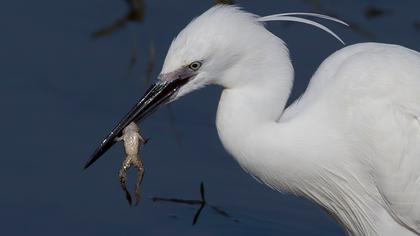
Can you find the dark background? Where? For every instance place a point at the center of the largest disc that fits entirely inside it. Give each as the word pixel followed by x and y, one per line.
pixel 62 89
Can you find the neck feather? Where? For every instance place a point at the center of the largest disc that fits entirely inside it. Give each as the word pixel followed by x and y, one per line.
pixel 254 97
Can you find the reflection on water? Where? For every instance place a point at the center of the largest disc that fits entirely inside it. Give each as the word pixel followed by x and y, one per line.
pixel 416 24
pixel 201 203
pixel 135 13
pixel 374 12
pixel 224 2
pixel 150 62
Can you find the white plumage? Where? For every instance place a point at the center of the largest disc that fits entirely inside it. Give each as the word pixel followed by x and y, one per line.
pixel 351 143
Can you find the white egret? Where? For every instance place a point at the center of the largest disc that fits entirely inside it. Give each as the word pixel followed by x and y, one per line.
pixel 351 143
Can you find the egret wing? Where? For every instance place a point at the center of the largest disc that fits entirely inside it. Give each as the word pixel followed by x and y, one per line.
pixel 399 180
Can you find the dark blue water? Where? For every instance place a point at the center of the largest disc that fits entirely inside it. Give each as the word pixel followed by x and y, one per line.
pixel 61 91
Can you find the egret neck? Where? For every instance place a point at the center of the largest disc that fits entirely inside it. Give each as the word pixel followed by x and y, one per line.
pixel 253 99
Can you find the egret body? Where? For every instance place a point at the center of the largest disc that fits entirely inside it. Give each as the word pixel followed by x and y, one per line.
pixel 351 143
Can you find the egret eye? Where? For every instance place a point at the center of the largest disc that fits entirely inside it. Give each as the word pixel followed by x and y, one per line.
pixel 195 65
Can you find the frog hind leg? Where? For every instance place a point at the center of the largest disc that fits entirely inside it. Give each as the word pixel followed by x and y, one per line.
pixel 123 178
pixel 140 173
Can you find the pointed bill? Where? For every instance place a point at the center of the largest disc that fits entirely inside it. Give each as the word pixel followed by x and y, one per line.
pixel 159 93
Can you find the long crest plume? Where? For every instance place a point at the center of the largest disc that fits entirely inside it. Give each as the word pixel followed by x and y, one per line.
pixel 292 16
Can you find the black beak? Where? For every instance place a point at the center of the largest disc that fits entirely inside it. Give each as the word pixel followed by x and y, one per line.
pixel 159 93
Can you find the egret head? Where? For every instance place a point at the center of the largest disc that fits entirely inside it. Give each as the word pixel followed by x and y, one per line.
pixel 210 46
pixel 207 51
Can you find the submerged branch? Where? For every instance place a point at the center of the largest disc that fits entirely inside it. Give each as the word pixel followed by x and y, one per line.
pixel 202 202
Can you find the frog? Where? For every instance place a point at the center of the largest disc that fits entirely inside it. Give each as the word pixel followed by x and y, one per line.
pixel 133 141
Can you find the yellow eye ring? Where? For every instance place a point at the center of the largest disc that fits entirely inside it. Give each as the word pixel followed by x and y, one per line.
pixel 195 65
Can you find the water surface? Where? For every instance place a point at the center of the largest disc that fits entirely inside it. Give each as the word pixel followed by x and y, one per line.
pixel 62 91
